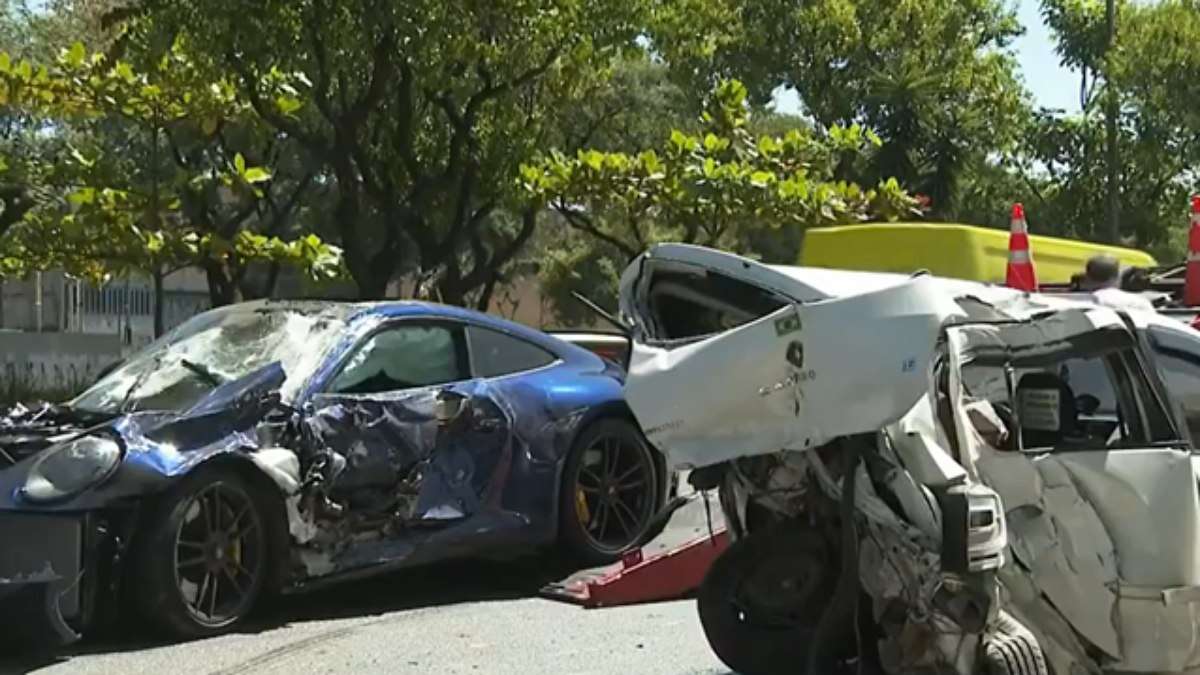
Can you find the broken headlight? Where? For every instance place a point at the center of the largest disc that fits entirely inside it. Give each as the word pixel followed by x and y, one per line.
pixel 70 468
pixel 974 533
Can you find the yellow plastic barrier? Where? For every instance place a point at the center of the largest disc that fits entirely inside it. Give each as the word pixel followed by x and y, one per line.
pixel 950 250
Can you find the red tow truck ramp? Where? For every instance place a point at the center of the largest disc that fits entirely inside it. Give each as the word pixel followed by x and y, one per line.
pixel 669 566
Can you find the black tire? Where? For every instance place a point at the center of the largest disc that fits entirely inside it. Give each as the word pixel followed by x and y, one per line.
pixel 181 548
pixel 762 598
pixel 606 508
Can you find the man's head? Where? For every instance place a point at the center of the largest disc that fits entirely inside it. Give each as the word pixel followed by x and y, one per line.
pixel 1102 271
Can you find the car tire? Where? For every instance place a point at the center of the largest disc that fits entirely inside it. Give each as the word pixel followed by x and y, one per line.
pixel 785 562
pixel 598 484
pixel 206 538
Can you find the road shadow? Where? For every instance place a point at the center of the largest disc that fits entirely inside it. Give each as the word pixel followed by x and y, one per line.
pixel 448 583
pixel 436 585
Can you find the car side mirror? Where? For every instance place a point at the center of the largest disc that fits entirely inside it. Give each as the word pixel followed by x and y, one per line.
pixel 1087 404
pixel 448 406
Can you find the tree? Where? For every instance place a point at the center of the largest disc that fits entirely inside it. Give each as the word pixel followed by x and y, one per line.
pixel 124 198
pixel 422 111
pixel 936 80
pixel 1086 40
pixel 720 187
pixel 1067 162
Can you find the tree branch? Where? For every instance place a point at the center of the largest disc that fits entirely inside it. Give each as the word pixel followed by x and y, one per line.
pixel 482 272
pixel 269 114
pixel 404 121
pixel 583 223
pixel 321 55
pixel 491 91
pixel 381 74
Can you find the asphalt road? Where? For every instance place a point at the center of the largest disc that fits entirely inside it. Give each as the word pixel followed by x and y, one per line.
pixel 476 618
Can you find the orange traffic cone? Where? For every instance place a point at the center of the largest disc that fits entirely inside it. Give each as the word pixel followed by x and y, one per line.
pixel 1191 284
pixel 1020 274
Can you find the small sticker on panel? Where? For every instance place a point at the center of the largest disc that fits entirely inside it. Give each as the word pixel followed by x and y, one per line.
pixel 787 324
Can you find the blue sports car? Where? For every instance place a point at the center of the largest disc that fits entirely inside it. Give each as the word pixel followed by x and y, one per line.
pixel 273 446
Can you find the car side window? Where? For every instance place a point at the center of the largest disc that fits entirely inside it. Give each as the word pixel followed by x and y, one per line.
pixel 494 353
pixel 1178 361
pixel 1073 403
pixel 407 356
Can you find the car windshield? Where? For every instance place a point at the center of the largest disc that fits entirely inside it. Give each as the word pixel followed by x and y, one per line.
pixel 218 346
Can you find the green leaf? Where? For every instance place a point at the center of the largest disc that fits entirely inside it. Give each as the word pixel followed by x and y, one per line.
pixel 82 196
pixel 83 161
pixel 256 175
pixel 125 72
pixel 288 104
pixel 208 125
pixel 594 159
pixel 239 164
pixel 682 141
pixel 762 178
pixel 5 63
pixel 651 162
pixel 76 55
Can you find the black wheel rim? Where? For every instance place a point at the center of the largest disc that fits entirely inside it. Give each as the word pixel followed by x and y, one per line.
pixel 219 555
pixel 614 492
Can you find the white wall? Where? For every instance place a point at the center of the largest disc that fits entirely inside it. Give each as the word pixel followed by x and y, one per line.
pixel 56 360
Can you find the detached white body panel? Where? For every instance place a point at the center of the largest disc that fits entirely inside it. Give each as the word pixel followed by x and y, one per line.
pixel 794 379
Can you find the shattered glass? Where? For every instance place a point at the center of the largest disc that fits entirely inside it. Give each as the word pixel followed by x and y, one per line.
pixel 214 348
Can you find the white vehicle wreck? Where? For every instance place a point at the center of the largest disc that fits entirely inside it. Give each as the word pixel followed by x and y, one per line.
pixel 920 475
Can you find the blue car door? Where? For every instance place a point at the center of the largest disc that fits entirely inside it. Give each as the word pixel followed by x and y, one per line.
pixel 423 441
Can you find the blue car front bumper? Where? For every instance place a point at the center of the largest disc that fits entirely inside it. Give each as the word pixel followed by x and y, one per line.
pixel 41 569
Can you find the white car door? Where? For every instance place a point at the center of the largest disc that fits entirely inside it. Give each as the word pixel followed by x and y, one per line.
pixel 729 361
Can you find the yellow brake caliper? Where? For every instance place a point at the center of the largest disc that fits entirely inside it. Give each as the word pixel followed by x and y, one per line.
pixel 581 507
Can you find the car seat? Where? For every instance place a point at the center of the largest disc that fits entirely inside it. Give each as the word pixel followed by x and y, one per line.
pixel 1046 409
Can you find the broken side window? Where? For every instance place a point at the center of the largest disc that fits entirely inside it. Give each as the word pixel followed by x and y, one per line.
pixel 494 354
pixel 1178 360
pixel 1069 400
pixel 405 356
pixel 699 303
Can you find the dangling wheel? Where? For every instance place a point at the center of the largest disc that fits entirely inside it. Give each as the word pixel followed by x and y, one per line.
pixel 205 558
pixel 609 493
pixel 763 597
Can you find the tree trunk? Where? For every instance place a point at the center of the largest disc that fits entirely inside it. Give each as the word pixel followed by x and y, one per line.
pixel 371 286
pixel 450 294
pixel 485 295
pixel 1111 112
pixel 222 289
pixel 250 288
pixel 159 296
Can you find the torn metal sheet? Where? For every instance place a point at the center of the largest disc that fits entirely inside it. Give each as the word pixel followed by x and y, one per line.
pixel 794 379
pixel 1100 536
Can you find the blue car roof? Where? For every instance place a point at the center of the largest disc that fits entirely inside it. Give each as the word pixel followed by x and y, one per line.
pixel 356 312
pixel 416 308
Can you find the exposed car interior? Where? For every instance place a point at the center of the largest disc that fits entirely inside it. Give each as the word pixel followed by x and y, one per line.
pixel 692 303
pixel 1072 398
